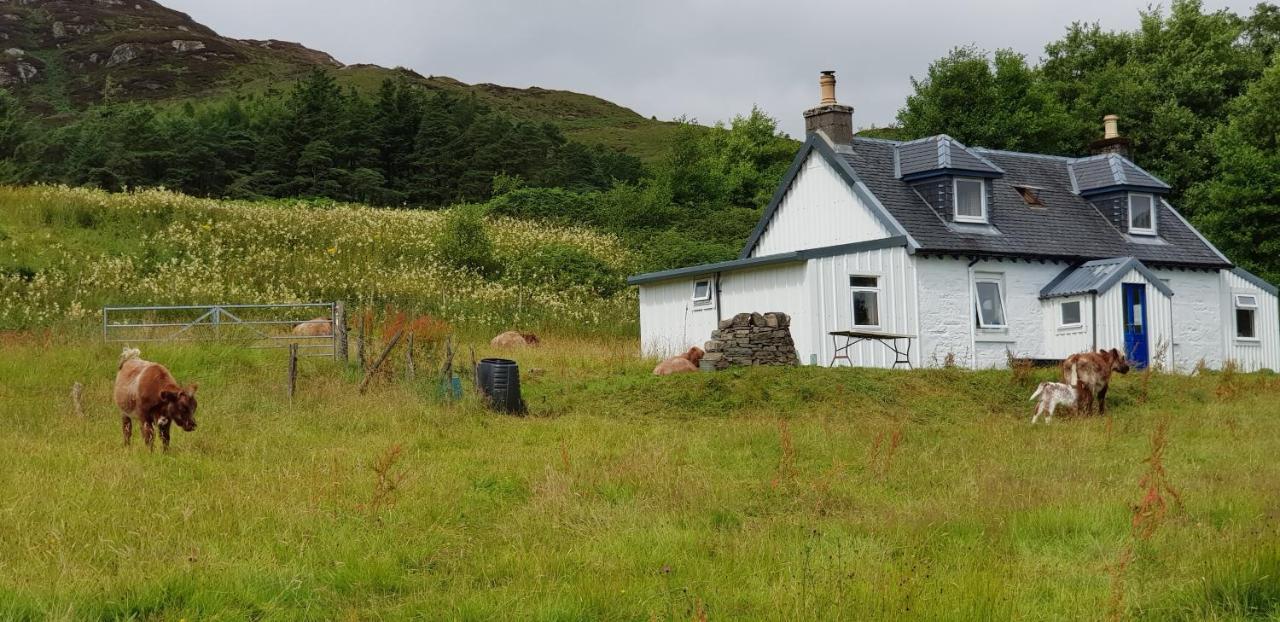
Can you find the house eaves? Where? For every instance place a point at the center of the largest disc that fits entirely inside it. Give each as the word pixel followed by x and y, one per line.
pixel 768 260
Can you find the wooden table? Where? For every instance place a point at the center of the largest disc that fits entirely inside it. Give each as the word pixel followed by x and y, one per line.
pixel 901 353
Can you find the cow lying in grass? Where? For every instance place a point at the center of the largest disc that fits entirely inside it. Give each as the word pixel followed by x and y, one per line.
pixel 319 327
pixel 1094 372
pixel 514 339
pixel 148 391
pixel 1055 394
pixel 681 364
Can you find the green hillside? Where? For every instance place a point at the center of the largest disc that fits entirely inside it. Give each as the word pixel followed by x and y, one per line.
pixel 61 57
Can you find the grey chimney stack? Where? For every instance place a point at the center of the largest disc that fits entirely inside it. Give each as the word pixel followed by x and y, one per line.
pixel 1112 141
pixel 832 119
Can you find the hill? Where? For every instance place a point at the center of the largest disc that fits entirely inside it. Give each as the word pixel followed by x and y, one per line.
pixel 61 56
pixel 65 252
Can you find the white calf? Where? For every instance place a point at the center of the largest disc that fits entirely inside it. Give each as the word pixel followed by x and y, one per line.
pixel 1054 394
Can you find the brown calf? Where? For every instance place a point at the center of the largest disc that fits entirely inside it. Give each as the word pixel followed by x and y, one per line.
pixel 148 391
pixel 681 364
pixel 1094 371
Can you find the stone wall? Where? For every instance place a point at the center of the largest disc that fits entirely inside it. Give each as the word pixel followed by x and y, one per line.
pixel 751 339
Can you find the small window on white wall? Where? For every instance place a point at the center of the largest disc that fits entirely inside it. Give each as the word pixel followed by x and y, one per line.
pixel 989 299
pixel 1070 317
pixel 865 301
pixel 1142 214
pixel 1246 315
pixel 702 293
pixel 971 200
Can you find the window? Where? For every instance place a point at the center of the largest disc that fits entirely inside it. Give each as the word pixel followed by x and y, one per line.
pixel 702 293
pixel 1142 214
pixel 866 301
pixel 1030 195
pixel 971 200
pixel 1246 310
pixel 989 299
pixel 1070 314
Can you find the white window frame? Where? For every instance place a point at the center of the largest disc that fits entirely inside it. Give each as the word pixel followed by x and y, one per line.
pixel 955 199
pixel 1235 317
pixel 853 292
pixel 998 280
pixel 1062 309
pixel 704 301
pixel 1140 230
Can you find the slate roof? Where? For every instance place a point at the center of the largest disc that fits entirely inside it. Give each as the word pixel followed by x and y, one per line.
pixel 940 154
pixel 1067 227
pixel 1101 173
pixel 1098 276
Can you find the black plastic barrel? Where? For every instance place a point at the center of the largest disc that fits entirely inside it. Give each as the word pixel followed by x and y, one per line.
pixel 499 381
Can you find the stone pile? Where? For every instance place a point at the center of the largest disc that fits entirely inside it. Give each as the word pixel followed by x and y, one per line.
pixel 751 339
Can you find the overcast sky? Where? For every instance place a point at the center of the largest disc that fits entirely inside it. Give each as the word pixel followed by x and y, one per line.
pixel 708 59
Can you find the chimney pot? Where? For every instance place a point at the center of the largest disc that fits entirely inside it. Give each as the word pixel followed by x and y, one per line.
pixel 835 121
pixel 1111 126
pixel 1111 141
pixel 828 83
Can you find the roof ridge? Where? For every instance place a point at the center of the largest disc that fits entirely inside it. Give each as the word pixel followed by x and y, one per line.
pixel 873 139
pixel 924 139
pixel 1117 168
pixel 1023 153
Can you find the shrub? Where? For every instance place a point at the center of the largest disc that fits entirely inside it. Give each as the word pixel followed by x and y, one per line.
pixel 554 204
pixel 464 242
pixel 565 265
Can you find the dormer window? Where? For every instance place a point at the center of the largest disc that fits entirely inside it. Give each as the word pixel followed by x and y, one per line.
pixel 971 200
pixel 1142 214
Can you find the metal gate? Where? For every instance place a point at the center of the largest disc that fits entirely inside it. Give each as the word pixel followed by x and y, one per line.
pixel 257 326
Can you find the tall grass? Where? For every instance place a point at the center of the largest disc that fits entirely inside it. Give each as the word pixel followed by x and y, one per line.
pixel 64 252
pixel 747 494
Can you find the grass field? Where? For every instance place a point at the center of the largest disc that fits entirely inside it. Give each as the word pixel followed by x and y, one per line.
pixel 783 494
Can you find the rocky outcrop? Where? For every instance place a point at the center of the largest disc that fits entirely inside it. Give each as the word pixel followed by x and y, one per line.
pixel 124 53
pixel 751 339
pixel 187 46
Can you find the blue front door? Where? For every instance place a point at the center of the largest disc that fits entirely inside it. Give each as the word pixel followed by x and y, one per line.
pixel 1135 324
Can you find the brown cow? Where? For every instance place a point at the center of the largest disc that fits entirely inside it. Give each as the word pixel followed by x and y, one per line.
pixel 514 339
pixel 148 391
pixel 681 364
pixel 1094 371
pixel 319 327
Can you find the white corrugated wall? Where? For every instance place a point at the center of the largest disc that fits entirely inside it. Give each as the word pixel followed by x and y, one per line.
pixel 1251 355
pixel 832 302
pixel 1063 342
pixel 773 288
pixel 669 323
pixel 1159 319
pixel 819 209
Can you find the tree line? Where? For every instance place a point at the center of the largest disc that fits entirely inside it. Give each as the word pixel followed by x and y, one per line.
pixel 404 145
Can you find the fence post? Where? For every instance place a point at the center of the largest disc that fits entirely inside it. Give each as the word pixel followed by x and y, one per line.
pixel 293 370
pixel 360 342
pixel 340 332
pixel 409 370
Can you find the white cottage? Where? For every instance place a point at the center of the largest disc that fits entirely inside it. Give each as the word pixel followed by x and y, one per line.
pixel 970 255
